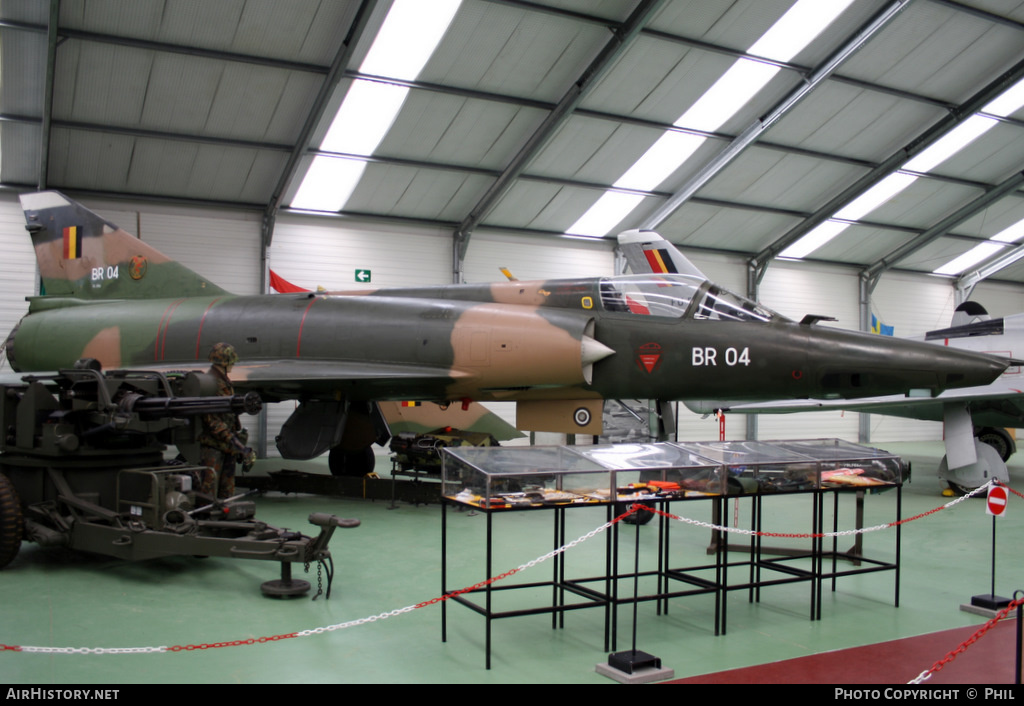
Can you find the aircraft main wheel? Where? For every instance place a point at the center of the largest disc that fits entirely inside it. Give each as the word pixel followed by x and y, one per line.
pixel 959 490
pixel 10 521
pixel 355 463
pixel 998 439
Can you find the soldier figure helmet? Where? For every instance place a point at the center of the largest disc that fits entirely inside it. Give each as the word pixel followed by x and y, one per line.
pixel 223 354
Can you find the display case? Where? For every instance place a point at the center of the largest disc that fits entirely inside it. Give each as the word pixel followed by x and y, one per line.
pixel 520 477
pixel 505 479
pixel 767 467
pixel 501 478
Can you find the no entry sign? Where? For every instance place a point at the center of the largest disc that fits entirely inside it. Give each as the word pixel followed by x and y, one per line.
pixel 996 504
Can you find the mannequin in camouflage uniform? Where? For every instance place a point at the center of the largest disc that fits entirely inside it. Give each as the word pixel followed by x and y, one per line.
pixel 222 440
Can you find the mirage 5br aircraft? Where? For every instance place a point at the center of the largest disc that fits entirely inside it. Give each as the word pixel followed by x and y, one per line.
pixel 558 348
pixel 974 418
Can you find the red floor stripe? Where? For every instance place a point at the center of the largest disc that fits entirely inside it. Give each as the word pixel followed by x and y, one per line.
pixel 988 661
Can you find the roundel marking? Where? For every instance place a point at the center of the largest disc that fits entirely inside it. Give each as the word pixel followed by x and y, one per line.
pixel 581 416
pixel 137 267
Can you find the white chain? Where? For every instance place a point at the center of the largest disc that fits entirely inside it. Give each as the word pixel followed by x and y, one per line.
pixel 92 650
pixel 408 609
pixel 840 533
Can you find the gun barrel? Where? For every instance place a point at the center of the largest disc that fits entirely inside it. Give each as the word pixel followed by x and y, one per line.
pixel 158 407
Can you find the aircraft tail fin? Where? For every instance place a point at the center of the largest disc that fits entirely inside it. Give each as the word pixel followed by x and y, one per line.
pixel 968 313
pixel 81 255
pixel 647 252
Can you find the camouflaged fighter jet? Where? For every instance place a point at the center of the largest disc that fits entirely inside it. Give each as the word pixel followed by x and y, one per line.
pixel 557 348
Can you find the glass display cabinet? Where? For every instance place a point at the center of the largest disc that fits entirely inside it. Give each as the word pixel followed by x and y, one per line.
pixel 502 478
pixel 499 480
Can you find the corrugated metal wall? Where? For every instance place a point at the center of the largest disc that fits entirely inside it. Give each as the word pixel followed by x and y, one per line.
pixel 18 273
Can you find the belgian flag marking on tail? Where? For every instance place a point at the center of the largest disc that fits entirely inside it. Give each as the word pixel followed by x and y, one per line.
pixel 660 261
pixel 72 243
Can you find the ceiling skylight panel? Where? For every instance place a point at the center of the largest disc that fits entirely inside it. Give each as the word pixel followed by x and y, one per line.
pixel 406 40
pixel 723 100
pixel 612 207
pixel 328 184
pixel 950 144
pixel 958 138
pixel 1011 234
pixel 875 196
pixel 663 158
pixel 969 259
pixel 865 203
pixel 982 252
pixel 364 117
pixel 795 30
pixel 814 240
pixel 1009 102
pixel 728 95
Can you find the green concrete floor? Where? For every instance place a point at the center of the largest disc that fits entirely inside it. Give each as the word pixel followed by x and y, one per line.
pixel 56 598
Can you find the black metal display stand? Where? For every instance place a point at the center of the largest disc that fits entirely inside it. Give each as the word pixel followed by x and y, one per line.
pixel 558 585
pixel 758 570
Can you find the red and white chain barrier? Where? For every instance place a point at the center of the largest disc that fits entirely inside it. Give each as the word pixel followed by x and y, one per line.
pixel 953 654
pixel 593 533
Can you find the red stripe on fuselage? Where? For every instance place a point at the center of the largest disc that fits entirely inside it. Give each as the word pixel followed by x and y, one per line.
pixel 199 333
pixel 298 343
pixel 160 345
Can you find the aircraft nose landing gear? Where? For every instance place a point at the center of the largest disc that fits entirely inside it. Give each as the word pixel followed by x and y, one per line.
pixel 964 479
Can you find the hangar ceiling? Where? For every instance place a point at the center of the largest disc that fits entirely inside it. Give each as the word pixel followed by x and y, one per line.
pixel 529 115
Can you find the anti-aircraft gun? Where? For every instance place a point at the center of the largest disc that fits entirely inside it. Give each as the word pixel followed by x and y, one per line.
pixel 82 466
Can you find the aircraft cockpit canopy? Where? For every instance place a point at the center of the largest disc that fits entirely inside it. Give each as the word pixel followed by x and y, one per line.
pixel 677 297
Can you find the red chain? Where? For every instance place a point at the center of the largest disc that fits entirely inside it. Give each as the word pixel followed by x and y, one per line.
pixel 632 510
pixel 233 643
pixel 972 639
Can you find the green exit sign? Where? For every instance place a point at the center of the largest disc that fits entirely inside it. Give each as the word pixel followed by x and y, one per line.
pixel 362 276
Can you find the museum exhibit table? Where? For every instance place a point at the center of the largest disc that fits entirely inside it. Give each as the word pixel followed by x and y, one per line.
pixel 668 476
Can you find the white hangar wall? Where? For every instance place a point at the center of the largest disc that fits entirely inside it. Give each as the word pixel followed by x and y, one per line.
pixel 18 272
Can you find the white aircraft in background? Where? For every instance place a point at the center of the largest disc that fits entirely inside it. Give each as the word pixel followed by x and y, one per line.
pixel 975 418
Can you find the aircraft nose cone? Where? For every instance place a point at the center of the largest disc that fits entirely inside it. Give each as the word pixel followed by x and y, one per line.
pixel 852 364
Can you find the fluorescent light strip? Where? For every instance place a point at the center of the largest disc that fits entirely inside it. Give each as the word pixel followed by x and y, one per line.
pixel 727 96
pixel 328 184
pixel 1011 234
pixel 814 239
pixel 612 207
pixel 981 252
pixel 402 47
pixel 964 134
pixel 969 259
pixel 875 196
pixel 950 144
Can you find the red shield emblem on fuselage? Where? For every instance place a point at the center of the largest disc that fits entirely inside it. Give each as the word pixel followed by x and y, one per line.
pixel 648 357
pixel 137 269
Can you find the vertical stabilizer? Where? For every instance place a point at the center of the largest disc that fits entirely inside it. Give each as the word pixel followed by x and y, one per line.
pixel 83 256
pixel 647 252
